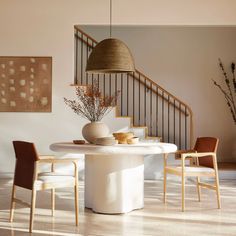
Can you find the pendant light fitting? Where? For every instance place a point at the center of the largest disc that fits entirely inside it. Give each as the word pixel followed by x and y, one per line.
pixel 110 55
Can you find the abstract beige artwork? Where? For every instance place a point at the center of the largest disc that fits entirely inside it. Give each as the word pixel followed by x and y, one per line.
pixel 25 84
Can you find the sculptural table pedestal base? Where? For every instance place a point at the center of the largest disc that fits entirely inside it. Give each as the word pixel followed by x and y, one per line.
pixel 114 183
pixel 114 175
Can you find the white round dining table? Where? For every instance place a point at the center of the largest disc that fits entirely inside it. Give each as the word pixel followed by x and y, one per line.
pixel 114 175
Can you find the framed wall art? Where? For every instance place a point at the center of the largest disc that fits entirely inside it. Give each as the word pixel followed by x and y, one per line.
pixel 25 84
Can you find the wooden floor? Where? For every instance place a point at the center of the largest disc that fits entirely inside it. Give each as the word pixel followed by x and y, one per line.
pixel 155 219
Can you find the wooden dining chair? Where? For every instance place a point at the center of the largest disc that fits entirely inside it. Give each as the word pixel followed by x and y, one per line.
pixel 27 176
pixel 205 165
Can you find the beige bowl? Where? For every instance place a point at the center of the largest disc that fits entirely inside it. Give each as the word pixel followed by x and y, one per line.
pixel 133 140
pixel 106 141
pixel 122 137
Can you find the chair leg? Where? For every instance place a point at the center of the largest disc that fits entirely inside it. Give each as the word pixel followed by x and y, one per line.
pixel 165 179
pixel 76 204
pixel 12 203
pixel 53 201
pixel 183 193
pixel 198 189
pixel 164 186
pixel 33 199
pixel 217 181
pixel 218 191
pixel 53 193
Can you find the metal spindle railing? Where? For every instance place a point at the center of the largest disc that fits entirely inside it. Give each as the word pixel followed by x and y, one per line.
pixel 149 104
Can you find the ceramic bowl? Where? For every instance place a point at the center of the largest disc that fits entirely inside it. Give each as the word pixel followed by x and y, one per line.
pixel 106 141
pixel 133 140
pixel 79 142
pixel 122 137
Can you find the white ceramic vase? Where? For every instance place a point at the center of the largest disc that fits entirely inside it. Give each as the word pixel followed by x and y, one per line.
pixel 94 130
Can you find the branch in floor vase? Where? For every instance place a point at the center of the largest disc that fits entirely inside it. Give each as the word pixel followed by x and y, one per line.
pixel 229 101
pixel 231 110
pixel 227 81
pixel 223 91
pixel 233 74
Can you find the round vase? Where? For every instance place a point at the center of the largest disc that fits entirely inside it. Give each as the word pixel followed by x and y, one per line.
pixel 94 130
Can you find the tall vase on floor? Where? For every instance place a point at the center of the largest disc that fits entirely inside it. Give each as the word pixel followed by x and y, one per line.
pixel 93 130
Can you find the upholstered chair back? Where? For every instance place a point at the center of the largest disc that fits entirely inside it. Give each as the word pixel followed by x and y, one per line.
pixel 26 155
pixel 206 144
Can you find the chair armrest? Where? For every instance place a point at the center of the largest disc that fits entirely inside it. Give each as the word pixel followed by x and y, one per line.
pixel 185 151
pixel 66 161
pixel 197 154
pixel 179 152
pixel 43 157
pixel 56 160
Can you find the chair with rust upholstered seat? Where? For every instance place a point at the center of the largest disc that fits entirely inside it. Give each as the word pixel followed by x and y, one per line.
pixel 27 176
pixel 204 153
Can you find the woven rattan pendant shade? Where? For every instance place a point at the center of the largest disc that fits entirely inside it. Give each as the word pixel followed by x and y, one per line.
pixel 110 56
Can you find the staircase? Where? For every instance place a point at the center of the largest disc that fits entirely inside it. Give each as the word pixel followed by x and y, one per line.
pixel 150 106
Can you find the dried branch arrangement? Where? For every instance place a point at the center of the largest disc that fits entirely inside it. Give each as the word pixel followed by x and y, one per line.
pixel 90 103
pixel 230 91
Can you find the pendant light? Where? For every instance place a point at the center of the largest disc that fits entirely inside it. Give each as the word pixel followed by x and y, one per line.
pixel 110 55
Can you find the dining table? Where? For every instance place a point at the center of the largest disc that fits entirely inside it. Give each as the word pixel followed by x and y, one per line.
pixel 114 175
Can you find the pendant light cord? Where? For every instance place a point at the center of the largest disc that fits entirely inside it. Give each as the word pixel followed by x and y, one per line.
pixel 110 18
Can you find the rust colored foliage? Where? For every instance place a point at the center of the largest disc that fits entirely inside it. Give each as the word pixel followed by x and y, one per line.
pixel 90 103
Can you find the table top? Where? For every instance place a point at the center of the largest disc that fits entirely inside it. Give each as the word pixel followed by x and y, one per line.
pixel 141 148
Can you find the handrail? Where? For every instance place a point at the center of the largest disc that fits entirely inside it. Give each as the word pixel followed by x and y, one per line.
pixel 160 88
pixel 83 40
pixel 85 34
pixel 177 99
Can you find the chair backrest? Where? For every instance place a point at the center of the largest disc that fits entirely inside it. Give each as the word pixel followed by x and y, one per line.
pixel 206 144
pixel 26 155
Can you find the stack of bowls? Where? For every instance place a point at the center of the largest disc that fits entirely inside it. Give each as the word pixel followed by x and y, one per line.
pixel 123 137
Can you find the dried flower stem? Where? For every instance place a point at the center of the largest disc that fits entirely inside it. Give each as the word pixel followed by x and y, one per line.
pixel 233 74
pixel 227 81
pixel 90 103
pixel 229 96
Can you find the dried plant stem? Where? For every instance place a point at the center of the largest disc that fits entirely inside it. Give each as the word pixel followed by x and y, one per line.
pixel 90 103
pixel 226 95
pixel 229 96
pixel 233 74
pixel 227 81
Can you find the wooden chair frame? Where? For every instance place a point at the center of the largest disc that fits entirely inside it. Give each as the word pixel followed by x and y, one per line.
pixel 183 173
pixel 50 160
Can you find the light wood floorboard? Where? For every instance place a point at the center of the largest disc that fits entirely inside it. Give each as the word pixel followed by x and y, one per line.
pixel 200 218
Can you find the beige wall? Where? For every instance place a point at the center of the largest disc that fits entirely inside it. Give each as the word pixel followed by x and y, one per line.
pixel 45 28
pixel 135 12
